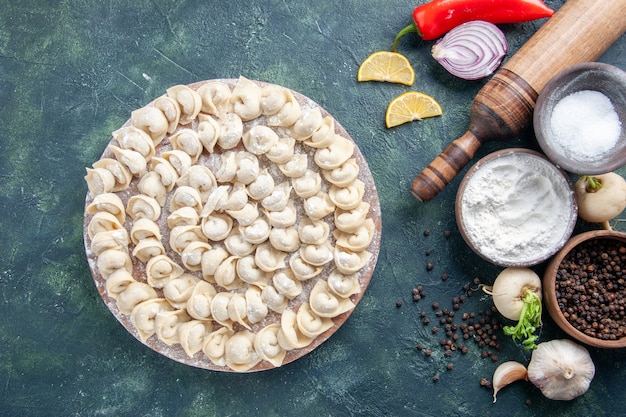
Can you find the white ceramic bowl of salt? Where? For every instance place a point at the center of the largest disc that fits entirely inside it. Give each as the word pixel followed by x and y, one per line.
pixel 580 118
pixel 515 208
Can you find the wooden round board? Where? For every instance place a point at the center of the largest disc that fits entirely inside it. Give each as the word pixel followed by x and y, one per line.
pixel 174 350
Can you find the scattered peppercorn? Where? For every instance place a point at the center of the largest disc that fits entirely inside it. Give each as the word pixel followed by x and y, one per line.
pixel 444 276
pixel 426 232
pixel 447 233
pixel 436 378
pixel 484 382
pixel 449 366
pixel 430 266
pixel 398 303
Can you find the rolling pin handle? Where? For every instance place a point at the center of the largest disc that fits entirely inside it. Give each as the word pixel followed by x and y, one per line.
pixel 434 178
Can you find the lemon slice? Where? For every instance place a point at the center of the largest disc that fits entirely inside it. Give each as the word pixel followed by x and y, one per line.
pixel 410 106
pixel 386 66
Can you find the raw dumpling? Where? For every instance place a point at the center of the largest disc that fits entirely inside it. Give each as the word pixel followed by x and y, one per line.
pixel 135 139
pixel 257 232
pixel 143 207
pixel 269 259
pixel 219 309
pixel 102 221
pixel 323 135
pixel 296 167
pixel 152 121
pixel 273 98
pixel 189 100
pixel 178 159
pixel 165 170
pixel 217 226
pixel 231 131
pixel 246 99
pixel 120 172
pixel 288 113
pixel 192 335
pixel 333 156
pixel 249 272
pixel 208 132
pixel 302 270
pixel 259 139
pixel 171 111
pixel 247 167
pixel 110 203
pixel 279 198
pixel 161 269
pixel 313 232
pixel 178 290
pixel 227 169
pixel 282 151
pixel 286 284
pixel 289 336
pixel 192 255
pixel 215 97
pixel 237 310
pixel 318 206
pixel 181 236
pixel 273 299
pixel 199 302
pixel 310 324
pixel 133 295
pixel 147 249
pixel 239 351
pixel 112 260
pixel 267 346
pixel 358 240
pixel 186 196
pixel 132 160
pixel 110 239
pixel 117 282
pixel 184 216
pixel 226 274
pixel 166 324
pixel 343 285
pixel 307 185
pixel 285 217
pixel 256 308
pixel 99 181
pixel 350 220
pixel 285 239
pixel 211 260
pixel 349 262
pixel 310 120
pixel 201 178
pixel 262 186
pixel 215 345
pixel 237 245
pixel 348 197
pixel 325 303
pixel 317 255
pixel 150 184
pixel 144 314
pixel 144 229
pixel 187 140
pixel 245 216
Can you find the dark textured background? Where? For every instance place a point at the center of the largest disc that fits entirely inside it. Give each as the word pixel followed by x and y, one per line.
pixel 72 71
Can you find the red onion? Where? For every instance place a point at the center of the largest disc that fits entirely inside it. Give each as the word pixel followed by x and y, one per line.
pixel 472 50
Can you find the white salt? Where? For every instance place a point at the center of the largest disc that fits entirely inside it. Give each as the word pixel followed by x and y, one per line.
pixel 585 125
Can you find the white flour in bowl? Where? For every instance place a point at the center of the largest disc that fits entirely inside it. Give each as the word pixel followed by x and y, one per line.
pixel 517 209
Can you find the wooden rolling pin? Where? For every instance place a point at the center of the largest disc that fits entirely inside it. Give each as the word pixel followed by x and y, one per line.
pixel 580 31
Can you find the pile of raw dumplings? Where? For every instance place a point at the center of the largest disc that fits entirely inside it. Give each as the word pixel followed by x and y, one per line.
pixel 229 219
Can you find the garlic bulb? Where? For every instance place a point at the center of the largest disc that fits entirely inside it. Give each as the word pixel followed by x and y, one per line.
pixel 561 369
pixel 507 373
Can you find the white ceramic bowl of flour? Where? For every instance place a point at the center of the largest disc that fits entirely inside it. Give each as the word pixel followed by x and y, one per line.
pixel 515 208
pixel 580 118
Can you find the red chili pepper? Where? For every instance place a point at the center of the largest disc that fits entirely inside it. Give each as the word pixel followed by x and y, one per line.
pixel 434 19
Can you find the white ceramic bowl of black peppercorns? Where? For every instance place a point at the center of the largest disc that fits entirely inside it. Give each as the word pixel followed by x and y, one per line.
pixel 584 288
